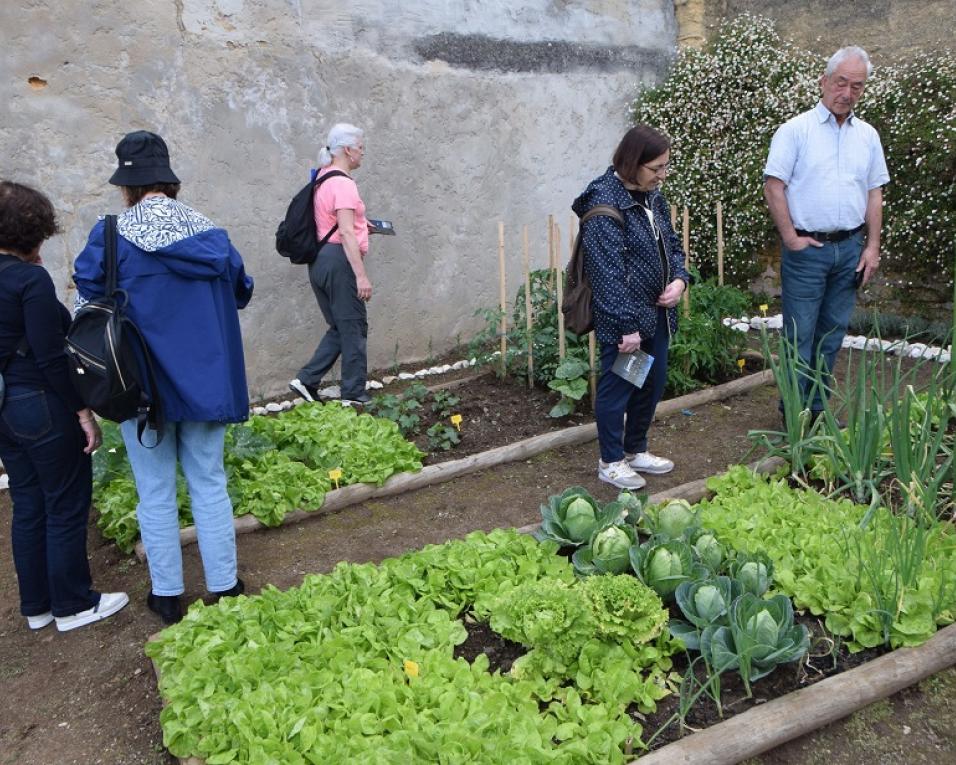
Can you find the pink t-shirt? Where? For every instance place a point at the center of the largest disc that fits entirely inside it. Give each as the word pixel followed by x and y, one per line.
pixel 339 193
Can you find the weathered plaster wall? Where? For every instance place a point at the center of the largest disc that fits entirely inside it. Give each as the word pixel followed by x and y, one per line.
pixel 887 29
pixel 474 112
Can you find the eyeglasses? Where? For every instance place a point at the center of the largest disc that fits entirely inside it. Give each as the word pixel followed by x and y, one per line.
pixel 659 169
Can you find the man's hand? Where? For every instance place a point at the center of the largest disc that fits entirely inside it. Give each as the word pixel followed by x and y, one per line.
pixel 869 262
pixel 796 242
pixel 629 343
pixel 671 294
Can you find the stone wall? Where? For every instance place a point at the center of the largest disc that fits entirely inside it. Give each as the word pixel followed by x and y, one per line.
pixel 473 112
pixel 888 29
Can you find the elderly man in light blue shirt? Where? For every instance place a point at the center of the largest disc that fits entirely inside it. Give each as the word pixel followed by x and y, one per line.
pixel 824 186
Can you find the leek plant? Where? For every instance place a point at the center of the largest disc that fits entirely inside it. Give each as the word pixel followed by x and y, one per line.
pixel 794 443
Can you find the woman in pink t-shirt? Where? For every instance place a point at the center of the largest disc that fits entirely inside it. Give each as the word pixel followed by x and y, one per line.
pixel 338 277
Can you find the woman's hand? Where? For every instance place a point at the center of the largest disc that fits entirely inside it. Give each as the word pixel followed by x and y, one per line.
pixel 91 429
pixel 364 287
pixel 629 343
pixel 671 294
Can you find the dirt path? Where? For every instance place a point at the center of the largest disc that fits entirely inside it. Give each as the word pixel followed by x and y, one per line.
pixel 89 696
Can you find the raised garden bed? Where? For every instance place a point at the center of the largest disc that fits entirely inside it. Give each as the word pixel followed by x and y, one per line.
pixel 456 579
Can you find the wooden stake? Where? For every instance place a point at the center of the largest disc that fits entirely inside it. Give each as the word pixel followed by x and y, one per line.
pixel 503 300
pixel 527 305
pixel 685 231
pixel 720 243
pixel 559 281
pixel 551 253
pixel 674 217
pixel 592 375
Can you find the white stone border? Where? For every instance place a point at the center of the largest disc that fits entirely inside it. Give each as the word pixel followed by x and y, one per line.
pixel 856 342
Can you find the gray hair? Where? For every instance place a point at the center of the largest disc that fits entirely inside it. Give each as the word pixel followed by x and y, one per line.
pixel 341 136
pixel 850 51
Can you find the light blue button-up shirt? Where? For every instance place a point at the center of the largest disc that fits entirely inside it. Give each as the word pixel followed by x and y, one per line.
pixel 828 168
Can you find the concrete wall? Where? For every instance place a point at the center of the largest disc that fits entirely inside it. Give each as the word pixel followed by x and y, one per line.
pixel 473 111
pixel 888 29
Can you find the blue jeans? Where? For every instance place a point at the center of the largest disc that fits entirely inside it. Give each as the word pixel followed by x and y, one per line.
pixel 198 447
pixel 623 412
pixel 41 445
pixel 819 293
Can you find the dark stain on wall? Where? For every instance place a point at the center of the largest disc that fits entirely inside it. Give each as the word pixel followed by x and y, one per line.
pixel 482 53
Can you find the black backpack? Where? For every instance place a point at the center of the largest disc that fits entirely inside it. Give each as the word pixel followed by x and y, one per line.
pixel 576 304
pixel 109 358
pixel 295 237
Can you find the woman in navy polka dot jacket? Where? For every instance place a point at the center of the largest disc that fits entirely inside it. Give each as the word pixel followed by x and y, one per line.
pixel 637 276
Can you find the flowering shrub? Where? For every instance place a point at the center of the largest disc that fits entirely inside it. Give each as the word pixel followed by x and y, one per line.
pixel 722 105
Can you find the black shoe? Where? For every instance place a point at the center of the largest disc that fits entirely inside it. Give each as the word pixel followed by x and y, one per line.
pixel 237 589
pixel 169 608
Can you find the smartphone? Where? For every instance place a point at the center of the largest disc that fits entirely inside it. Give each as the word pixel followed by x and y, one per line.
pixel 859 278
pixel 380 226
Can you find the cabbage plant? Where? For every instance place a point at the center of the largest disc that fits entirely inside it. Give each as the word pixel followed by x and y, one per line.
pixel 706 548
pixel 754 572
pixel 704 603
pixel 572 517
pixel 670 519
pixel 760 636
pixel 663 564
pixel 608 551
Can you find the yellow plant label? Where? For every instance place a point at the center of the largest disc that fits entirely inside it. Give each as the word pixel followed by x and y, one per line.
pixel 763 308
pixel 335 475
pixel 741 363
pixel 411 668
pixel 456 421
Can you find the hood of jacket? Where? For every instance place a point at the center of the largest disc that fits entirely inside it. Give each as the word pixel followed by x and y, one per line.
pixel 182 239
pixel 606 189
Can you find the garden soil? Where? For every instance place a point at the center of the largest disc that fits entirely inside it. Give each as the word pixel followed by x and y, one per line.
pixel 90 696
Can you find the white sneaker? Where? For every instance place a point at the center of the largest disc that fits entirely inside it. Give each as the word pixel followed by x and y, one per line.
pixel 110 603
pixel 39 621
pixel 620 474
pixel 645 462
pixel 308 392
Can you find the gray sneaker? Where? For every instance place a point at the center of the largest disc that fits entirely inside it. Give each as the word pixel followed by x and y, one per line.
pixel 645 462
pixel 620 474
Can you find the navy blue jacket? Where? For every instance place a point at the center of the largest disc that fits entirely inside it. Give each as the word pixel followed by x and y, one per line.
pixel 29 308
pixel 623 263
pixel 185 282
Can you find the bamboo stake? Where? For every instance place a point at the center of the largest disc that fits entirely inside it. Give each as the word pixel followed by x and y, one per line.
pixel 592 374
pixel 720 243
pixel 685 230
pixel 527 305
pixel 559 281
pixel 674 217
pixel 502 295
pixel 551 253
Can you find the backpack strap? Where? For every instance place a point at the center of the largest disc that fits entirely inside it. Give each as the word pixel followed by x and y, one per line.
pixel 576 266
pixel 315 190
pixel 109 254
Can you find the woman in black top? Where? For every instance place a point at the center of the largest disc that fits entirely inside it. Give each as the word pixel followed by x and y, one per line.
pixel 46 432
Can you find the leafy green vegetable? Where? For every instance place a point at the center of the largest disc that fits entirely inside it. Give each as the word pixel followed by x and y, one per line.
pixel 570 518
pixel 607 552
pixel 754 572
pixel 671 519
pixel 704 603
pixel 662 564
pixel 624 609
pixel 761 636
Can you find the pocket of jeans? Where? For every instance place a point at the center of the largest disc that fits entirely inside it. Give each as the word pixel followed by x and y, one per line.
pixel 27 415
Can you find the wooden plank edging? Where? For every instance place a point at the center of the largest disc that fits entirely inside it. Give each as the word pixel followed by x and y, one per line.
pixel 769 725
pixel 447 471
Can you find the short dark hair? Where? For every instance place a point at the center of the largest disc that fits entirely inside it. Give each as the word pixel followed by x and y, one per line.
pixel 27 218
pixel 639 146
pixel 133 194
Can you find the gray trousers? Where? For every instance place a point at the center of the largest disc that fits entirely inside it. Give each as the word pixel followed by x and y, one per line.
pixel 333 283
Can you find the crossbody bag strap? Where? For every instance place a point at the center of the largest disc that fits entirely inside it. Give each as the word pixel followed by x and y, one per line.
pixel 608 210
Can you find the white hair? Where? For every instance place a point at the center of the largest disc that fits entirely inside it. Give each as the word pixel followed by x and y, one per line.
pixel 341 136
pixel 850 51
